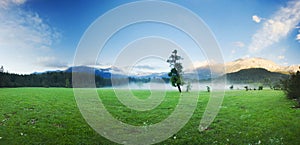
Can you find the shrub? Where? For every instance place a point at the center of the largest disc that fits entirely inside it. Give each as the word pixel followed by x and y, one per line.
pixel 291 87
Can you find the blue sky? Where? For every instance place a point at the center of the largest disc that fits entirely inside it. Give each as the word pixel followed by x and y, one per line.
pixel 39 35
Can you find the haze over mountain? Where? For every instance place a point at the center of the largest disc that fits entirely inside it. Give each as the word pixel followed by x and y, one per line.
pixel 248 63
pixel 242 71
pixel 269 65
pixel 202 72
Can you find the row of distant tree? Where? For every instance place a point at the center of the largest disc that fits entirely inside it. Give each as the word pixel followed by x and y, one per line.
pixel 62 79
pixel 291 87
pixel 50 79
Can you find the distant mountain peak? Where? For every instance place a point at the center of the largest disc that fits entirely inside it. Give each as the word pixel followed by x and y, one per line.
pixel 204 68
pixel 258 62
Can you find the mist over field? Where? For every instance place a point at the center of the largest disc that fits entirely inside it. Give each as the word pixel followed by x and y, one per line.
pixel 202 86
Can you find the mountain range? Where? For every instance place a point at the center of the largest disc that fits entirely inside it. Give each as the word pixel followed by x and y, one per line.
pixel 255 62
pixel 269 65
pixel 201 72
pixel 204 71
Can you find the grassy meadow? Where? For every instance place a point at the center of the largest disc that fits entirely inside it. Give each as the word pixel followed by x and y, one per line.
pixel 51 116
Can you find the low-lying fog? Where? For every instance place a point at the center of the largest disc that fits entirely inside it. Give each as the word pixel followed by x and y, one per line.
pixel 194 86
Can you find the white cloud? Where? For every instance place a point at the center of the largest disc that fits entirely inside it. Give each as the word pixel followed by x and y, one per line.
pixel 198 64
pixel 146 67
pixel 205 63
pixel 298 37
pixel 6 4
pixel 256 19
pixel 239 44
pixel 51 62
pixel 280 57
pixel 19 1
pixel 24 36
pixel 276 28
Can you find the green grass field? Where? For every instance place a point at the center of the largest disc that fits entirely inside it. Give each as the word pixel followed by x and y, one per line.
pixel 51 116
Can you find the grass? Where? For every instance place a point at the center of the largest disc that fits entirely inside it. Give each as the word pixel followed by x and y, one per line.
pixel 51 116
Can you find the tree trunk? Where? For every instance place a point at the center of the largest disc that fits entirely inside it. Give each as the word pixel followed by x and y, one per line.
pixel 179 89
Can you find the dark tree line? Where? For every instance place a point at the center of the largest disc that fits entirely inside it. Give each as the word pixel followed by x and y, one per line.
pixel 291 87
pixel 255 75
pixel 62 79
pixel 49 79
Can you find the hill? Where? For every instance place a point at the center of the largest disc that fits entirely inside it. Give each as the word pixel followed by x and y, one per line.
pixel 255 75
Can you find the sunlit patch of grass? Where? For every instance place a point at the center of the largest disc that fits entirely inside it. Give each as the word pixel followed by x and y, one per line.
pixel 51 116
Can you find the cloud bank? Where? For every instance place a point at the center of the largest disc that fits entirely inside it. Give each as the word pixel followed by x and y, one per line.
pixel 277 27
pixel 24 36
pixel 7 4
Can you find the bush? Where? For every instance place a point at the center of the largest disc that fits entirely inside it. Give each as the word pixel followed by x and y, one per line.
pixel 291 87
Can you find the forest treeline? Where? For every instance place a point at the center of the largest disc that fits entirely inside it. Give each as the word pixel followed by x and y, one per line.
pixel 64 79
pixel 60 79
pixel 49 79
pixel 256 76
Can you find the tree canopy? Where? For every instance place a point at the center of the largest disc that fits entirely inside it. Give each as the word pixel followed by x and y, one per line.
pixel 176 72
pixel 291 87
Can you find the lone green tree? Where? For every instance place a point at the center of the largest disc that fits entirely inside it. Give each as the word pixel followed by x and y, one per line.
pixel 176 70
